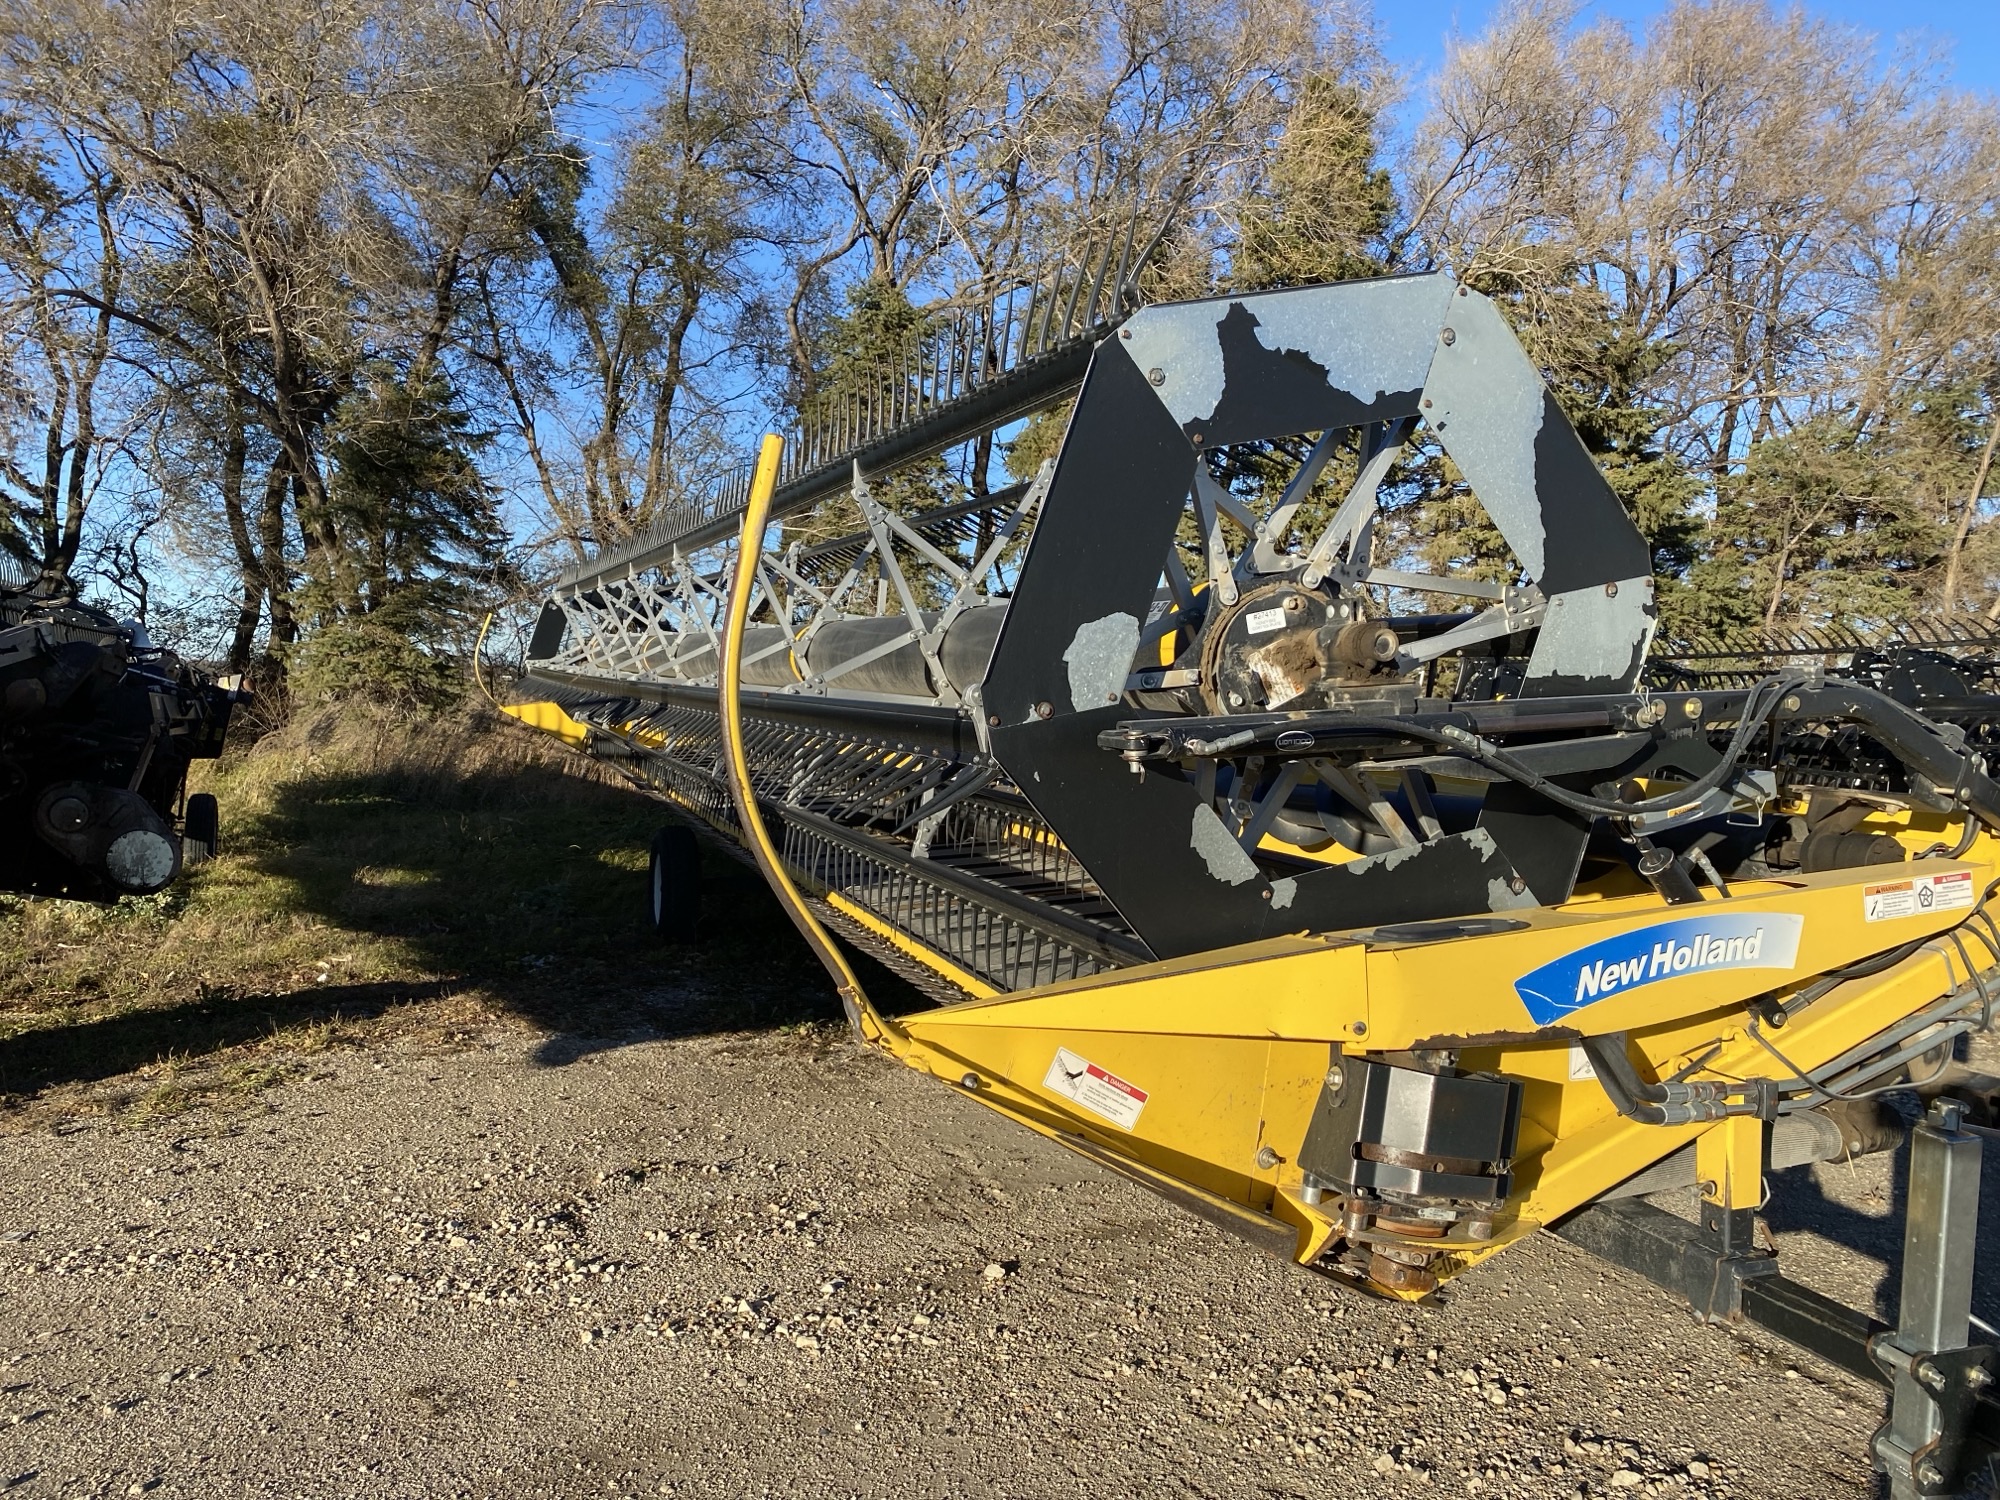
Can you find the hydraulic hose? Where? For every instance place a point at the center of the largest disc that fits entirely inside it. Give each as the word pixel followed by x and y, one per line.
pixel 869 1024
pixel 1905 733
pixel 1671 1103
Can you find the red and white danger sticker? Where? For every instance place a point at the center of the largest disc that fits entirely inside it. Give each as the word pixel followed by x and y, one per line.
pixel 1088 1085
pixel 1914 897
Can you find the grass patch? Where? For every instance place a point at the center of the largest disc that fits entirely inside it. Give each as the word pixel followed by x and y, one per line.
pixel 380 875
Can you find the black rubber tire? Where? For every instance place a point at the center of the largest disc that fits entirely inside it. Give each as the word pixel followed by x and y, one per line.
pixel 200 827
pixel 673 886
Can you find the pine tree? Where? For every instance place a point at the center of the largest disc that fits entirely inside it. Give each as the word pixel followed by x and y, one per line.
pixel 1327 208
pixel 422 543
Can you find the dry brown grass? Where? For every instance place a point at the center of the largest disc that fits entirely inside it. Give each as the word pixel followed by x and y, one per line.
pixel 379 876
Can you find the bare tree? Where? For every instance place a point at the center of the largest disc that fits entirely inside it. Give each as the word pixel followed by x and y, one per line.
pixel 304 192
pixel 61 268
pixel 1716 181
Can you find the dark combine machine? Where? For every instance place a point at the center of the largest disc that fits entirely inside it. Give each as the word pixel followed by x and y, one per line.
pixel 97 728
pixel 1388 935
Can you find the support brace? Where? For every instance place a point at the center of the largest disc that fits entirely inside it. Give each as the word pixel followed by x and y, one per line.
pixel 1945 1393
pixel 1937 1377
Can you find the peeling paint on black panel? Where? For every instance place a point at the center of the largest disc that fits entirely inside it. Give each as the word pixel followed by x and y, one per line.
pixel 1120 484
pixel 1588 537
pixel 1592 640
pixel 1226 859
pixel 1271 364
pixel 1270 392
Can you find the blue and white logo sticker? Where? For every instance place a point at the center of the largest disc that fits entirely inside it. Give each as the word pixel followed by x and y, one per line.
pixel 1670 950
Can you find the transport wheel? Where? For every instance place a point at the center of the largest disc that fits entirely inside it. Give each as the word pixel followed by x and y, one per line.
pixel 199 826
pixel 674 884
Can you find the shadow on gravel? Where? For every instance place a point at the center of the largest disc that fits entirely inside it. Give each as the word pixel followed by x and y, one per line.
pixel 450 876
pixel 1799 1204
pixel 533 889
pixel 104 1048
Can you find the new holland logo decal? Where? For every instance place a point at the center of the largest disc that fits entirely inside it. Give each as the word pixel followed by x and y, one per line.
pixel 1668 950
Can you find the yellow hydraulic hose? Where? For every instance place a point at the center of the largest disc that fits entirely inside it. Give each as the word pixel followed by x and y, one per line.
pixel 478 654
pixel 868 1023
pixel 547 717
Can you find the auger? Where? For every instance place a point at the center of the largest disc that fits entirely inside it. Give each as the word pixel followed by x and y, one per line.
pixel 1381 931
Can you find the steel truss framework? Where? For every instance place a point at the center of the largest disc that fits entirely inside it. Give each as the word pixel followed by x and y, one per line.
pixel 657 623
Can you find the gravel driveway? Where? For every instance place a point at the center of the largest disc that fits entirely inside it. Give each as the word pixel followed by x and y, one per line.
pixel 749 1264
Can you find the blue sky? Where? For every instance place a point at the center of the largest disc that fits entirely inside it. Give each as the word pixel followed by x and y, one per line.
pixel 1414 31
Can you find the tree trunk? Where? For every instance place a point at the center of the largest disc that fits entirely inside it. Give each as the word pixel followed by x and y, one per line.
pixel 249 567
pixel 1966 514
pixel 1781 563
pixel 271 541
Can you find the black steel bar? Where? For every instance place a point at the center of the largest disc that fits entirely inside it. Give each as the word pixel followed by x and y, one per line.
pixel 941 730
pixel 1011 395
pixel 1837 1333
pixel 1671 1253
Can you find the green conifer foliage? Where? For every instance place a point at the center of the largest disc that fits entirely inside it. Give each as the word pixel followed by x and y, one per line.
pixel 421 543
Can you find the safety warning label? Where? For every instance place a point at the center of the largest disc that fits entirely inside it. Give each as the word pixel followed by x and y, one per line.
pixel 1099 1092
pixel 1913 897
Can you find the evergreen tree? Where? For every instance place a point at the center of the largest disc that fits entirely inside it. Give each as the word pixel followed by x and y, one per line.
pixel 1843 523
pixel 1326 209
pixel 422 543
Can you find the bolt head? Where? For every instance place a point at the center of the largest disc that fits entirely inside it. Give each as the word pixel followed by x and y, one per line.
pixel 1448 337
pixel 1930 1473
pixel 1516 884
pixel 1044 710
pixel 1156 375
pixel 1792 704
pixel 1611 591
pixel 970 1081
pixel 1692 708
pixel 1267 1158
pixel 1359 1028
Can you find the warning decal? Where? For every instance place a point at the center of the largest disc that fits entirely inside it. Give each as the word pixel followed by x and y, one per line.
pixel 1099 1092
pixel 1915 896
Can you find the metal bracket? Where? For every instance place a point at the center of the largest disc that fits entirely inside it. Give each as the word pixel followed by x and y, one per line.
pixel 1937 1379
pixel 1956 1380
pixel 1943 1404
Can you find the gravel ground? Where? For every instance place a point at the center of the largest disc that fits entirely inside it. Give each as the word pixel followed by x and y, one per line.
pixel 748 1264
